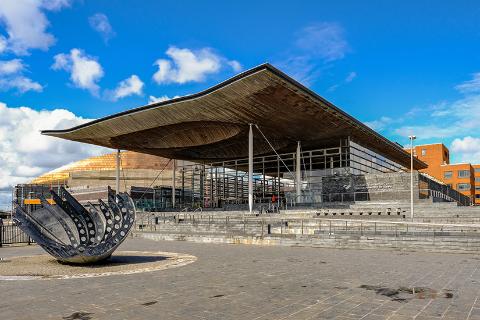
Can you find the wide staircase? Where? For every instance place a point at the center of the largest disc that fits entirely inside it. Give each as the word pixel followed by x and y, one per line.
pixel 437 226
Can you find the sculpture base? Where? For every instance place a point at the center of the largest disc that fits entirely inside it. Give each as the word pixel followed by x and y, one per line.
pixel 123 262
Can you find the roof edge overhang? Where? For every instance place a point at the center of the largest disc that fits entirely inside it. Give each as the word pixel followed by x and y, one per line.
pixel 418 164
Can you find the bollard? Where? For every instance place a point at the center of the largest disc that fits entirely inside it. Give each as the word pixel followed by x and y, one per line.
pixel 302 226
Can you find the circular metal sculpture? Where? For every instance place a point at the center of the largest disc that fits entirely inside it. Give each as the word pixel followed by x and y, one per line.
pixel 76 234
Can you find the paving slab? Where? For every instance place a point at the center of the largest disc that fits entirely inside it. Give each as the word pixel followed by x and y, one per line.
pixel 258 282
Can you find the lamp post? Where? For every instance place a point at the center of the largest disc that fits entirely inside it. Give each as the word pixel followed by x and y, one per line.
pixel 412 137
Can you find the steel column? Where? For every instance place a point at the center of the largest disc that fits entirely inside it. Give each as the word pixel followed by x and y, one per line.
pixel 250 169
pixel 117 172
pixel 298 175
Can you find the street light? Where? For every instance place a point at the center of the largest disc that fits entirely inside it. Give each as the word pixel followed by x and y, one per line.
pixel 412 137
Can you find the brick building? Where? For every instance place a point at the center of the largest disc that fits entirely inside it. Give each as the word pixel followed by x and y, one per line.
pixel 463 177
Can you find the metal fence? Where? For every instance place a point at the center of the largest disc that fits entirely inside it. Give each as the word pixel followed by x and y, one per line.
pixel 12 234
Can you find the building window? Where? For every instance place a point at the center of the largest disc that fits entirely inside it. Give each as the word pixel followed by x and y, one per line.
pixel 477 179
pixel 463 186
pixel 463 173
pixel 447 174
pixel 477 188
pixel 477 170
pixel 477 196
pixel 424 152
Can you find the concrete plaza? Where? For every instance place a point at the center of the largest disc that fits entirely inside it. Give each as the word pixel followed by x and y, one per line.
pixel 258 282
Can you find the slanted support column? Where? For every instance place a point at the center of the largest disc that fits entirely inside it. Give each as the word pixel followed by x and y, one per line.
pixel 298 182
pixel 174 189
pixel 250 169
pixel 117 172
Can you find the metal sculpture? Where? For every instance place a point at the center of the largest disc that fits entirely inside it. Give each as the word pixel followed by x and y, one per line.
pixel 76 234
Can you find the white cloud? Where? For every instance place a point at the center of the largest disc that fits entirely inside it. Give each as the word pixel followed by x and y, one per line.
pixel 3 44
pixel 468 147
pixel 380 124
pixel 85 71
pixel 424 132
pixel 26 24
pixel 20 83
pixel 99 22
pixel 187 65
pixel 11 66
pixel 349 78
pixel 352 75
pixel 25 153
pixel 56 5
pixel 11 77
pixel 470 86
pixel 130 86
pixel 324 40
pixel 153 99
pixel 455 121
pixel 236 66
pixel 314 47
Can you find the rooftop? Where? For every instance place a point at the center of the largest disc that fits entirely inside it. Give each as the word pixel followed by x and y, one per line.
pixel 212 125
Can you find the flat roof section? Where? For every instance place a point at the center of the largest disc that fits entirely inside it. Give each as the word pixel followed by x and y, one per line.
pixel 212 125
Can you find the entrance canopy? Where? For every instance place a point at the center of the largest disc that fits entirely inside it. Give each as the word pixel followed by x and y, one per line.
pixel 213 125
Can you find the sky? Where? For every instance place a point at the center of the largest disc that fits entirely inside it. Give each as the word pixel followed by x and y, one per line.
pixel 402 67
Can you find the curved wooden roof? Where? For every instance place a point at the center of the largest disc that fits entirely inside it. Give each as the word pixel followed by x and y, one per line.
pixel 212 125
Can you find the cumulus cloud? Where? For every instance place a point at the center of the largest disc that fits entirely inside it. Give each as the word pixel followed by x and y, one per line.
pixel 19 83
pixel 187 65
pixel 11 66
pixel 26 24
pixel 130 86
pixel 153 99
pixel 99 22
pixel 85 71
pixel 21 144
pixel 3 44
pixel 468 147
pixel 11 77
pixel 56 5
pixel 236 66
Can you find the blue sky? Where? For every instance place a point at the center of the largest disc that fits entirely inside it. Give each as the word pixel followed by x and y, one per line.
pixel 400 66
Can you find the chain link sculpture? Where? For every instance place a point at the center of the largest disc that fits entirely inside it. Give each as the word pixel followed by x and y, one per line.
pixel 76 234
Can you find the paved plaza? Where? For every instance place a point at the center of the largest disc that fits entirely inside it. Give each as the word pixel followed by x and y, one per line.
pixel 258 282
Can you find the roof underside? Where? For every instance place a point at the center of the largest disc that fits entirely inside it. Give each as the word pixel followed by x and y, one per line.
pixel 213 125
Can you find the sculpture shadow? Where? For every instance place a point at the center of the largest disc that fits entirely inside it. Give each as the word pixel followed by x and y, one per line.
pixel 119 261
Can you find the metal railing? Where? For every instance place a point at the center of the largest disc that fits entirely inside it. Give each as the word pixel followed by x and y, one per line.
pixel 292 227
pixel 12 234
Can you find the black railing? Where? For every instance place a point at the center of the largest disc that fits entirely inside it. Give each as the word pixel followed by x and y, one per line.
pixel 12 234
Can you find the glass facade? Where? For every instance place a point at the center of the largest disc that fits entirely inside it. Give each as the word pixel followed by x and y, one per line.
pixel 225 184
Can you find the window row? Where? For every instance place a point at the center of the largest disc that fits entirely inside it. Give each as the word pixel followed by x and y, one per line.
pixel 460 174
